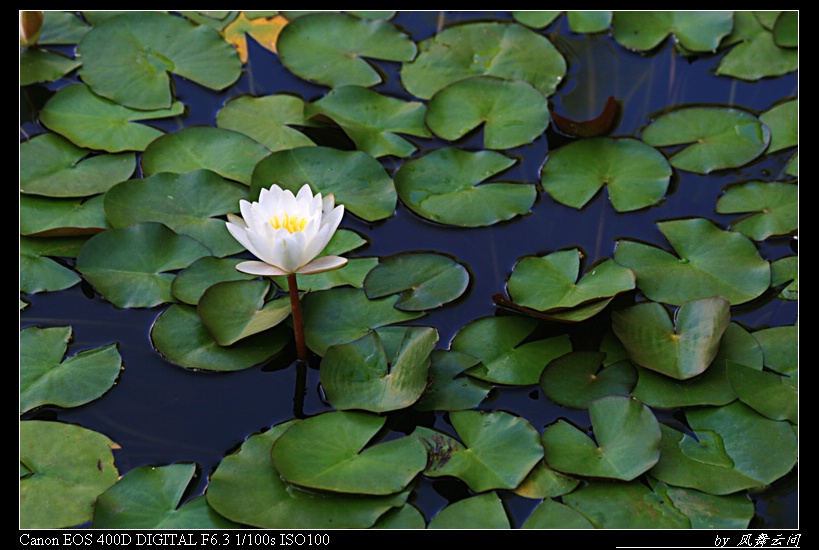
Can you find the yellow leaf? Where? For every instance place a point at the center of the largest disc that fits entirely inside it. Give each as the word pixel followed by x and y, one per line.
pixel 264 30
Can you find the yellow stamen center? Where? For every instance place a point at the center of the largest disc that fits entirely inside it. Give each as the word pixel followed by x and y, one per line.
pixel 291 223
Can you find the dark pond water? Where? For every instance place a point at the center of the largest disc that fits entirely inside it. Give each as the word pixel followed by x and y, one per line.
pixel 160 413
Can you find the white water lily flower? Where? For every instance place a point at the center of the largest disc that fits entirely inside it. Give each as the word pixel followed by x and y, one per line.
pixel 287 232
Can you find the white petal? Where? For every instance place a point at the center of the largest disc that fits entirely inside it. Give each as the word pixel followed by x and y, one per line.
pixel 325 263
pixel 305 193
pixel 260 268
pixel 236 220
pixel 242 235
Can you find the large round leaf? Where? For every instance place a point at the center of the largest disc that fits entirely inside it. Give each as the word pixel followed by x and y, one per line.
pixel 131 266
pixel 267 120
pixel 128 58
pixel 52 166
pixel 46 378
pixel 501 49
pixel 330 452
pixel 773 207
pixel 699 31
pixel 500 343
pixel 496 450
pixel 682 348
pixel 484 511
pixel 63 469
pixel 447 186
pixel 576 379
pixel 635 174
pixel 356 179
pixel 247 488
pixel 626 441
pixel 732 448
pixel 149 497
pixel 713 138
pixel 181 337
pixel 187 203
pixel 329 48
pixel 381 371
pixel 553 282
pixel 233 310
pixel 512 112
pixel 424 280
pixel 340 315
pixel 94 122
pixel 373 121
pixel 709 262
pixel 230 154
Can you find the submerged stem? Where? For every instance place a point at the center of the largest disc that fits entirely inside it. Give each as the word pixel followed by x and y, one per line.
pixel 298 322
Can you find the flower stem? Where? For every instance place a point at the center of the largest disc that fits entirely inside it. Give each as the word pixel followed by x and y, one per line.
pixel 298 322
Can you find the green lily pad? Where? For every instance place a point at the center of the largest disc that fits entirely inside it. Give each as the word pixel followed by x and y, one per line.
pixel 189 285
pixel 38 272
pixel 484 511
pixel 770 394
pixel 755 54
pixel 783 120
pixel 710 262
pixel 626 441
pixel 774 208
pixel 57 217
pixel 52 166
pixel 234 310
pixel 449 389
pixel 553 283
pixel 330 452
pixel 780 348
pixel 131 266
pixel 37 65
pixel 576 379
pixel 544 482
pixel 373 121
pixel 247 489
pixel 384 370
pixel 682 348
pixel 483 458
pixel 712 387
pixel 712 138
pixel 47 378
pixel 148 497
pixel 267 120
pixel 732 448
pixel 448 186
pixel 589 21
pixel 699 31
pixel 499 49
pixel 128 58
pixel 710 511
pixel 551 514
pixel 423 280
pixel 331 48
pixel 498 342
pixel 62 27
pixel 63 469
pixel 230 154
pixel 511 112
pixel 356 179
pixel 341 315
pixel 180 336
pixel 93 122
pixel 785 271
pixel 405 517
pixel 636 175
pixel 786 29
pixel 538 19
pixel 191 204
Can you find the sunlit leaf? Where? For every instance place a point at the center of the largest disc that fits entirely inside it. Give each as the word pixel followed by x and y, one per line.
pixel 264 30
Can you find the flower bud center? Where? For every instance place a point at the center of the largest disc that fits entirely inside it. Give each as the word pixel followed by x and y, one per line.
pixel 291 223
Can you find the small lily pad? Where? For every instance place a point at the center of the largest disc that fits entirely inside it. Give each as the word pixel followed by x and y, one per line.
pixel 449 389
pixel 755 53
pixel 131 266
pixel 449 186
pixel 694 30
pixel 330 452
pixel 48 377
pixel 626 441
pixel 773 207
pixel 38 65
pixel 785 271
pixel 783 120
pixel 384 370
pixel 424 280
pixel 680 349
pixel 66 468
pixel 709 262
pixel 38 272
pixel 636 175
pixel 712 138
pixel 576 379
pixel 189 285
pixel 234 310
pixel 511 112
